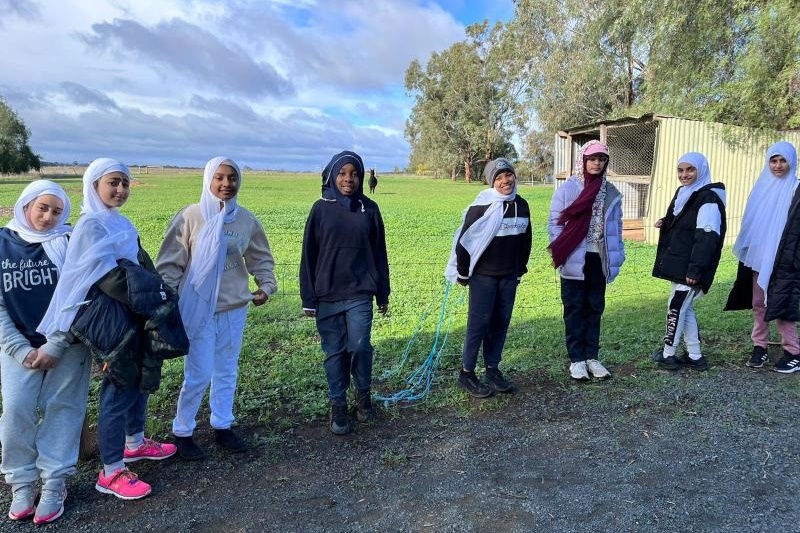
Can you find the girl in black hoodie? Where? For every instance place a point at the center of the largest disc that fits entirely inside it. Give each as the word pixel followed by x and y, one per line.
pixel 344 266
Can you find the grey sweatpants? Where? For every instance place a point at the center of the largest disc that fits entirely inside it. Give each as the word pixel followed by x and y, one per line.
pixel 42 417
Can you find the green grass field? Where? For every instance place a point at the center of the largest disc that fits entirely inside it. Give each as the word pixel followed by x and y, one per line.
pixel 281 376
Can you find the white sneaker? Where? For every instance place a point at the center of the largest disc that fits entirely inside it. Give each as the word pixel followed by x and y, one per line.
pixel 578 371
pixel 597 369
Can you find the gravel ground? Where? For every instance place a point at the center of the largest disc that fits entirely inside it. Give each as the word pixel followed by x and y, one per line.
pixel 659 452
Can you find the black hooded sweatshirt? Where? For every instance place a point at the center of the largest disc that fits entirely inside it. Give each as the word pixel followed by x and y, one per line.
pixel 344 244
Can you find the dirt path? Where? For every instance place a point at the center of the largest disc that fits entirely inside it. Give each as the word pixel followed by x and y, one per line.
pixel 692 452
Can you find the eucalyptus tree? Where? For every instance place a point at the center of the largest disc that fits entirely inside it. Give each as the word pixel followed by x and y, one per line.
pixel 467 100
pixel 734 61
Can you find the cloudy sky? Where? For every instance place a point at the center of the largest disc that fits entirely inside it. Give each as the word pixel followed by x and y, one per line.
pixel 278 84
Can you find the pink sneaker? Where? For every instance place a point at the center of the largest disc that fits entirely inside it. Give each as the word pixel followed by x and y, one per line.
pixel 123 484
pixel 150 449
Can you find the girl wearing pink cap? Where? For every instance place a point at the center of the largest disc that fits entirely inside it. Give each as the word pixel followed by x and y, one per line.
pixel 585 230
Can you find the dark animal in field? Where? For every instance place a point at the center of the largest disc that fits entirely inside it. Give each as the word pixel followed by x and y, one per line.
pixel 373 181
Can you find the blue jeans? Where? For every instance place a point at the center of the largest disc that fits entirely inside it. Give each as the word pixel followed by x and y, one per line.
pixel 584 302
pixel 121 413
pixel 345 328
pixel 491 301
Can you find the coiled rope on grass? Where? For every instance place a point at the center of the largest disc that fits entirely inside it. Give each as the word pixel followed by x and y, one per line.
pixel 419 381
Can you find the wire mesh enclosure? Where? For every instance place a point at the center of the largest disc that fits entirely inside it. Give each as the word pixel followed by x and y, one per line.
pixel 632 148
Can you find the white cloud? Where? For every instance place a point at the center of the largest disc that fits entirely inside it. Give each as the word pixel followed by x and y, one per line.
pixel 275 84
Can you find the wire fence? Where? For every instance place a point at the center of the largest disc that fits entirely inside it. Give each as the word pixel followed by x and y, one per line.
pixel 417 285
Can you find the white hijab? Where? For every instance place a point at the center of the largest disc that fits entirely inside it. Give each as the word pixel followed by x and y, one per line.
pixel 198 298
pixel 54 240
pixel 478 236
pixel 765 215
pixel 101 237
pixel 698 161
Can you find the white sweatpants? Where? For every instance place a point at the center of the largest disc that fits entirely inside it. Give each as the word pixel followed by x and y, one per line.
pixel 43 411
pixel 213 359
pixel 681 320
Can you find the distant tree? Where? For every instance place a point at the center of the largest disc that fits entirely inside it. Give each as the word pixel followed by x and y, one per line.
pixel 466 103
pixel 537 159
pixel 15 154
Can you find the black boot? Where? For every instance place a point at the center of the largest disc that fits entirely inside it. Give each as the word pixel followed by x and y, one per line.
pixel 340 420
pixel 364 410
pixel 188 448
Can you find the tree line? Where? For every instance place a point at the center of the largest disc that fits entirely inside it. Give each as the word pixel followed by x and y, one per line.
pixel 565 63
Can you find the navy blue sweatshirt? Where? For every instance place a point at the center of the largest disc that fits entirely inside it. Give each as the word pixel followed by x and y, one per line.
pixel 29 279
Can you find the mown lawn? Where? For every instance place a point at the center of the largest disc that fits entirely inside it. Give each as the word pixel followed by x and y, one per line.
pixel 281 376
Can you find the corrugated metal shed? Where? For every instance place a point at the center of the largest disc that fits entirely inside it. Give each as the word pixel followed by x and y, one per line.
pixel 735 154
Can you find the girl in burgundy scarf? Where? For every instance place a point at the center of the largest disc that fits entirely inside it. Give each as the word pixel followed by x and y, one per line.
pixel 585 231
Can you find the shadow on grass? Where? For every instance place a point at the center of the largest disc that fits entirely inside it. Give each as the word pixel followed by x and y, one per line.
pixel 282 382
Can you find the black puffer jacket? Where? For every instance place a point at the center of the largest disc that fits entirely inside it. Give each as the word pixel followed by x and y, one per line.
pixel 131 325
pixel 783 290
pixel 686 251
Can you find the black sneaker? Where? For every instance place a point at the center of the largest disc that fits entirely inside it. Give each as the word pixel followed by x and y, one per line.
pixel 364 410
pixel 497 382
pixel 788 364
pixel 470 383
pixel 657 355
pixel 669 363
pixel 695 364
pixel 759 357
pixel 188 448
pixel 230 440
pixel 340 420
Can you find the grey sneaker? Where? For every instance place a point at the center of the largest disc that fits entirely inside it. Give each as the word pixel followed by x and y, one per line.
pixel 695 364
pixel 657 355
pixel 229 440
pixel 475 387
pixel 597 369
pixel 497 381
pixel 51 505
pixel 579 371
pixel 669 363
pixel 23 495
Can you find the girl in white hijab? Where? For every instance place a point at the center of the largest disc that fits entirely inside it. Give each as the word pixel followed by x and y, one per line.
pixel 757 246
pixel 101 237
pixel 47 377
pixel 209 251
pixel 689 250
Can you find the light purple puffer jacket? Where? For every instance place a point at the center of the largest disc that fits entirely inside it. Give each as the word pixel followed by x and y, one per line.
pixel 612 254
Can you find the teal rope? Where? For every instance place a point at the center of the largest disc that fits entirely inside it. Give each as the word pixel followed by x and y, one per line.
pixel 419 381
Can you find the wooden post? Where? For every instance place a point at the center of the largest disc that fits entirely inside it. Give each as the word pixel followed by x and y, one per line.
pixel 88 443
